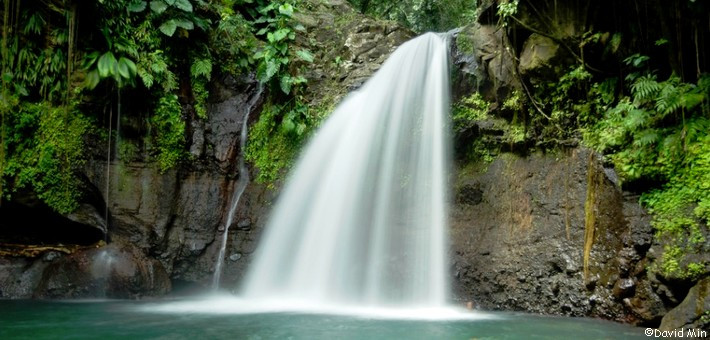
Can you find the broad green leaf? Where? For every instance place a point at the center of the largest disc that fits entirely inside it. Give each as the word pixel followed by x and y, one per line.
pixel 184 23
pixel 92 79
pixel 126 68
pixel 106 64
pixel 184 5
pixel 168 27
pixel 285 83
pixel 90 59
pixel 286 9
pixel 288 125
pixel 305 55
pixel 158 6
pixel 123 69
pixel 170 2
pixel 268 8
pixel 299 28
pixel 202 24
pixel 137 6
pixel 281 34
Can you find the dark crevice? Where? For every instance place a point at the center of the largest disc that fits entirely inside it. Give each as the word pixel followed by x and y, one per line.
pixel 39 225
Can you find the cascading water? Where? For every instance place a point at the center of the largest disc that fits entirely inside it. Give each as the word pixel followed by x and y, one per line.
pixel 362 219
pixel 241 186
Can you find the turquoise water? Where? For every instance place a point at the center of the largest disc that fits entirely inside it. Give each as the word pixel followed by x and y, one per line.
pixel 139 320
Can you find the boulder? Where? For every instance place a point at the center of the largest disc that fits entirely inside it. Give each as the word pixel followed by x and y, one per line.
pixel 538 54
pixel 484 62
pixel 693 312
pixel 113 271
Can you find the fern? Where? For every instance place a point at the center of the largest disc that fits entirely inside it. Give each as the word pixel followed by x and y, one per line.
pixel 646 137
pixel 669 99
pixel 201 67
pixel 645 88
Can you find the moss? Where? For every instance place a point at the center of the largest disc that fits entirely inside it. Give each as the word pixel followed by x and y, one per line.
pixel 464 41
pixel 470 109
pixel 276 138
pixel 45 149
pixel 169 128
pixel 590 212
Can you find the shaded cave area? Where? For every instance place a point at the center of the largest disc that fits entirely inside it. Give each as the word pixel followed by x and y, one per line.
pixel 38 225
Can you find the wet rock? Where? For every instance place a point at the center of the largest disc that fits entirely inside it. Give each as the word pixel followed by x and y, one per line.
pixel 51 256
pixel 624 288
pixel 483 63
pixel 198 138
pixel 225 118
pixel 113 271
pixel 470 194
pixel 531 225
pixel 88 215
pixel 646 305
pixel 693 312
pixel 19 276
pixel 537 55
pixel 244 224
pixel 235 257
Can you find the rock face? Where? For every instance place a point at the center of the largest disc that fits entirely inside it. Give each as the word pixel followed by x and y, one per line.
pixel 348 48
pixel 176 216
pixel 113 271
pixel 483 63
pixel 522 227
pixel 538 53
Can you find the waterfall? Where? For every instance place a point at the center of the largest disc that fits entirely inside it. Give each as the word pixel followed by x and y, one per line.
pixel 241 186
pixel 362 219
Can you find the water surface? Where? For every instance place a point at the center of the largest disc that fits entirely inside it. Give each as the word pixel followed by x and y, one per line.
pixel 155 320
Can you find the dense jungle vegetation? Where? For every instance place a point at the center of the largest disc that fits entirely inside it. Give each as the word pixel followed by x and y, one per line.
pixel 635 88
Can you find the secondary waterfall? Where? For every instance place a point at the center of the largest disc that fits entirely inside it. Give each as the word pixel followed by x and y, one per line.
pixel 362 218
pixel 241 186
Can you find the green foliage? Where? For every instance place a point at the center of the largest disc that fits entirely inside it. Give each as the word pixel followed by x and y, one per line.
pixel 201 73
pixel 275 58
pixel 422 15
pixel 506 9
pixel 233 41
pixel 275 139
pixel 169 128
pixel 45 149
pixel 469 109
pixel 514 102
pixel 160 48
pixel 35 58
pixel 122 70
pixel 568 103
pixel 660 134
